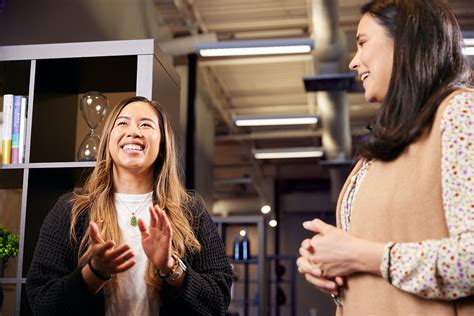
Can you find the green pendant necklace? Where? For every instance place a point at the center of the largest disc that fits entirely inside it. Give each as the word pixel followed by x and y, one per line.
pixel 133 218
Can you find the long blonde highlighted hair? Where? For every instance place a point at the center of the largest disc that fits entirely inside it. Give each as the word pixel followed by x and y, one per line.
pixel 97 197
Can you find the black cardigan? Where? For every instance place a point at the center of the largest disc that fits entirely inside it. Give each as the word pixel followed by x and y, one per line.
pixel 55 285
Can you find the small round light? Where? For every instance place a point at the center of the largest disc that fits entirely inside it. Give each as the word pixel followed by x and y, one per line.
pixel 243 232
pixel 273 223
pixel 266 209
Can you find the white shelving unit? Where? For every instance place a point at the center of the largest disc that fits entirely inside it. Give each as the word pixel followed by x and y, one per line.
pixel 54 76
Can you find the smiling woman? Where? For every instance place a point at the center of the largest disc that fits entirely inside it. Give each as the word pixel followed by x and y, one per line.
pixel 92 259
pixel 404 244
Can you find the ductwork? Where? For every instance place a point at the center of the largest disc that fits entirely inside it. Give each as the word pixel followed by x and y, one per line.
pixel 329 58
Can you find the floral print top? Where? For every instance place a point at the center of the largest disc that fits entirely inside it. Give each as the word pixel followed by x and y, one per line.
pixel 442 269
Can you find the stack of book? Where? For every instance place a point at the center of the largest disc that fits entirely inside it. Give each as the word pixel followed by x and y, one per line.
pixel 14 128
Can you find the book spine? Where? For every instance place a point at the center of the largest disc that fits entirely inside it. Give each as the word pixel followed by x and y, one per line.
pixel 7 128
pixel 22 147
pixel 16 118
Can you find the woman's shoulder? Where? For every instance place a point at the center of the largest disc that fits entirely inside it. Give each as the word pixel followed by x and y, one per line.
pixel 196 207
pixel 58 218
pixel 458 103
pixel 63 204
pixel 459 96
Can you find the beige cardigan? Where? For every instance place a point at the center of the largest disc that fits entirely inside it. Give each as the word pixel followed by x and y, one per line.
pixel 400 201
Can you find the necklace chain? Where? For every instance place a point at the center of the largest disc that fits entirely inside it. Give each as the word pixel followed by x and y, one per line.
pixel 133 216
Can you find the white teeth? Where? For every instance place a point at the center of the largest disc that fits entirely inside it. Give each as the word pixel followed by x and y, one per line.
pixel 133 147
pixel 364 76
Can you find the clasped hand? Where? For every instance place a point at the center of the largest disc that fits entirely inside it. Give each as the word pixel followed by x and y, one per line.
pixel 156 243
pixel 326 257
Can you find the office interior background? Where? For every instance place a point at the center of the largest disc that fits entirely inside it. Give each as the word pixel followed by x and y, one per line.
pixel 233 166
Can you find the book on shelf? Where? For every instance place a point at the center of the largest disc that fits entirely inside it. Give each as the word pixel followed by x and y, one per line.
pixel 24 113
pixel 7 128
pixel 14 128
pixel 16 118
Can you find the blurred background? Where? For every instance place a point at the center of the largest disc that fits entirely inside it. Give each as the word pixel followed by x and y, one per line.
pixel 311 89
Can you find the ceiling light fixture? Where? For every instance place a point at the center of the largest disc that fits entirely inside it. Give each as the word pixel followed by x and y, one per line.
pixel 469 41
pixel 281 153
pixel 266 209
pixel 255 47
pixel 274 120
pixel 468 51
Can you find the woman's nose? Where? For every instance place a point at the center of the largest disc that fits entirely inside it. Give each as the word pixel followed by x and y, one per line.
pixel 354 62
pixel 134 131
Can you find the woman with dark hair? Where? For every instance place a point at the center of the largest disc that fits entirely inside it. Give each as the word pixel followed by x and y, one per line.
pixel 405 238
pixel 132 241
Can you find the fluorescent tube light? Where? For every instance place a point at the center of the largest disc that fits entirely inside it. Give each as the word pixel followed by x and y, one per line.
pixel 297 152
pixel 468 51
pixel 275 120
pixel 469 41
pixel 255 47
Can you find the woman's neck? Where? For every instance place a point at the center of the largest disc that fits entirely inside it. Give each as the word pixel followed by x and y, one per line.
pixel 131 183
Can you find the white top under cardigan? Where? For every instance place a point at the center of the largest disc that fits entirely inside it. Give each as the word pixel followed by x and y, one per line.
pixel 132 298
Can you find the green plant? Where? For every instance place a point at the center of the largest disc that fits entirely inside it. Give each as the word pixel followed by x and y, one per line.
pixel 8 244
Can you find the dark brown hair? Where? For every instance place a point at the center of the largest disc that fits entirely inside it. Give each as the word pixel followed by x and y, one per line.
pixel 428 65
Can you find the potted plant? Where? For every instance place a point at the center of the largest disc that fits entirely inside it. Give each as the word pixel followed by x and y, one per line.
pixel 8 247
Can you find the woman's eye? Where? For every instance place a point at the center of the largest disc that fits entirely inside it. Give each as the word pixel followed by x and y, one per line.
pixel 145 125
pixel 121 123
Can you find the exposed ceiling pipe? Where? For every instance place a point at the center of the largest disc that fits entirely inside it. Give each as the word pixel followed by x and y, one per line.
pixel 329 58
pixel 185 45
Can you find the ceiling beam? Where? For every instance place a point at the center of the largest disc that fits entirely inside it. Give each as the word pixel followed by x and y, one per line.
pixel 267 135
pixel 257 25
pixel 357 130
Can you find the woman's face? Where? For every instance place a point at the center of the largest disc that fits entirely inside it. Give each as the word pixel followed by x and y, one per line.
pixel 374 58
pixel 134 142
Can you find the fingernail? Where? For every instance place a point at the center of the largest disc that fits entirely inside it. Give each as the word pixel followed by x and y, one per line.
pixel 305 224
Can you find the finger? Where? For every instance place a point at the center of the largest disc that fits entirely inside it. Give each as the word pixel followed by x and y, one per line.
pixel 339 281
pixel 111 255
pixel 167 226
pixel 317 226
pixel 124 267
pixel 304 253
pixel 303 265
pixel 321 283
pixel 306 244
pixel 153 216
pixel 161 219
pixel 123 258
pixel 316 271
pixel 103 248
pixel 96 238
pixel 143 229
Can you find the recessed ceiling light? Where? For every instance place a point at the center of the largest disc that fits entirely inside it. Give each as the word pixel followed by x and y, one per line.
pixel 255 47
pixel 275 120
pixel 281 153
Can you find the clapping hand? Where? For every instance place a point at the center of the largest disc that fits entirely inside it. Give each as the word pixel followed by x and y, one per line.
pixel 105 259
pixel 156 239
